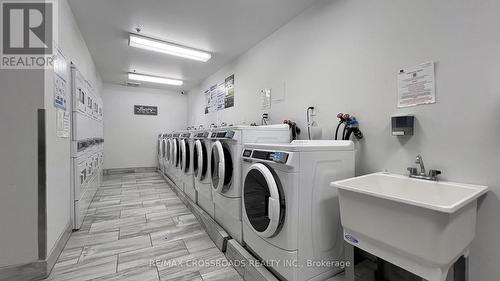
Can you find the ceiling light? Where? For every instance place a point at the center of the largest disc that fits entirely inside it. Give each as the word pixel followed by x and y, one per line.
pixel 154 79
pixel 156 45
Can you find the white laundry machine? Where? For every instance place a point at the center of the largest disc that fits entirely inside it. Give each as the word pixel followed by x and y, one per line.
pixel 290 213
pixel 160 148
pixel 175 168
pixel 201 170
pixel 225 168
pixel 187 174
pixel 167 152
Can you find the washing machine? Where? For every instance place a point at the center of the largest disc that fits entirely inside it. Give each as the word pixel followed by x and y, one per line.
pixel 187 174
pixel 159 152
pixel 201 170
pixel 290 212
pixel 167 152
pixel 225 168
pixel 175 160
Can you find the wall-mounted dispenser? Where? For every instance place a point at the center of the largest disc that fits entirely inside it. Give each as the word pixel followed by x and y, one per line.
pixel 402 125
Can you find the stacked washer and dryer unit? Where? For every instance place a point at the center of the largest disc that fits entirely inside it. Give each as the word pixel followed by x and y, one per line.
pixel 87 145
pixel 290 212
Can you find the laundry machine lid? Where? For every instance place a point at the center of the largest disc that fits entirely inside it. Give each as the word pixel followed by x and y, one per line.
pixel 263 201
pixel 221 166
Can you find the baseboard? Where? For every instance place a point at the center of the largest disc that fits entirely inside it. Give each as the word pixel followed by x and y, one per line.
pixel 39 269
pixel 58 248
pixel 246 264
pixel 119 171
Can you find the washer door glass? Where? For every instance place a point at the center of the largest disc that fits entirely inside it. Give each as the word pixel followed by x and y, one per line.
pixel 187 155
pixel 195 157
pixel 221 166
pixel 263 201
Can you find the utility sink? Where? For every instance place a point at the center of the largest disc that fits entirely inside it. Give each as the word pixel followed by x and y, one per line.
pixel 419 225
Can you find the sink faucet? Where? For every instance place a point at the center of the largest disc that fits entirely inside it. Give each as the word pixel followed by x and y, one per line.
pixel 419 160
pixel 423 175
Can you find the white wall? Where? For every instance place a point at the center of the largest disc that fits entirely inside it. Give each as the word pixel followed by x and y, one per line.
pixel 22 93
pixel 73 46
pixel 20 97
pixel 343 56
pixel 130 140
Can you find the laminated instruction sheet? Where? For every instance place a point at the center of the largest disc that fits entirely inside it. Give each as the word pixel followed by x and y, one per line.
pixel 416 85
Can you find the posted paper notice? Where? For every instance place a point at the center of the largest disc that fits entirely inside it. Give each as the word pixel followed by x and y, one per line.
pixel 416 85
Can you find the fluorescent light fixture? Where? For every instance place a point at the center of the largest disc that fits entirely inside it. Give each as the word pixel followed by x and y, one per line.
pixel 156 45
pixel 154 79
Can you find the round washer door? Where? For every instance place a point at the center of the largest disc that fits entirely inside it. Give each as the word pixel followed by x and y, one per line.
pixel 263 201
pixel 221 166
pixel 200 157
pixel 168 150
pixel 179 156
pixel 174 152
pixel 184 155
pixel 160 143
pixel 161 148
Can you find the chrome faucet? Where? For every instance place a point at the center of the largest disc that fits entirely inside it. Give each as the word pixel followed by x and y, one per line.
pixel 423 175
pixel 419 160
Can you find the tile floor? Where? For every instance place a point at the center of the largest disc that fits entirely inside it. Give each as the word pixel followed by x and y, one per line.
pixel 134 220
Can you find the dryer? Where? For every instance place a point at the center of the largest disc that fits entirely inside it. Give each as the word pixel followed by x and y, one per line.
pixel 201 170
pixel 159 152
pixel 290 212
pixel 225 168
pixel 175 162
pixel 167 152
pixel 187 174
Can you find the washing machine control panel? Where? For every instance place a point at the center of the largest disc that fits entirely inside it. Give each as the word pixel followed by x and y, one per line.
pixel 274 156
pixel 201 135
pixel 222 135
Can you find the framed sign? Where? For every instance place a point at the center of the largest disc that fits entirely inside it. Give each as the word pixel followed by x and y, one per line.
pixel 145 110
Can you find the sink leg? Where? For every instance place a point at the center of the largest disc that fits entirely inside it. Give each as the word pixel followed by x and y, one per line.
pixel 349 256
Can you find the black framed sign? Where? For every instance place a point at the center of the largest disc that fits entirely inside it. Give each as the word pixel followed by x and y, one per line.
pixel 145 110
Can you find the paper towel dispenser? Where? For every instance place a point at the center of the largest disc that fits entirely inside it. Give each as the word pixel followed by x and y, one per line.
pixel 402 125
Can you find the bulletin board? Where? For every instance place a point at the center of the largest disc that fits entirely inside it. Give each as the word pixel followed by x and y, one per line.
pixel 220 96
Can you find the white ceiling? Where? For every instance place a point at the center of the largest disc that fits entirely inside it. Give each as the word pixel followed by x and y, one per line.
pixel 226 28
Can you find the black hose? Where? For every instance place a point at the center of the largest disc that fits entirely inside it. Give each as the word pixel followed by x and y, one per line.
pixel 337 131
pixel 343 133
pixel 348 134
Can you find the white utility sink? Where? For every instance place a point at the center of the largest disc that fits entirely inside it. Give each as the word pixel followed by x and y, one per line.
pixel 419 225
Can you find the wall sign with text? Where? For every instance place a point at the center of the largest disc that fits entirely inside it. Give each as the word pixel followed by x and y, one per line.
pixel 145 110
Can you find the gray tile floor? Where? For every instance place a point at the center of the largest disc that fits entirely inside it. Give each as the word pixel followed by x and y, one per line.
pixel 133 221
